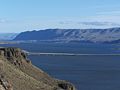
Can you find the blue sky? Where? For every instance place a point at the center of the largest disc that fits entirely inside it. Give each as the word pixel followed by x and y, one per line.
pixel 22 15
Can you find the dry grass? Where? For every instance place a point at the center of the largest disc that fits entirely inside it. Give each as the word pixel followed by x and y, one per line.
pixel 20 80
pixel 25 76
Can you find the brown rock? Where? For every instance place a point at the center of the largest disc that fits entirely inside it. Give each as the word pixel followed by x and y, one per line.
pixel 25 76
pixel 4 84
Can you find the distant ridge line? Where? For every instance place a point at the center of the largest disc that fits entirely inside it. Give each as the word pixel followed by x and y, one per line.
pixel 111 35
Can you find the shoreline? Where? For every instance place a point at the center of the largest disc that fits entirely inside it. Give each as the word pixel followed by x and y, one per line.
pixel 69 54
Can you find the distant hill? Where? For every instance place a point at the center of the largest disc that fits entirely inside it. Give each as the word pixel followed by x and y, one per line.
pixel 72 35
pixel 7 36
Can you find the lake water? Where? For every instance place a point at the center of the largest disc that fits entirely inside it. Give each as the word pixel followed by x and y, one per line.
pixel 95 72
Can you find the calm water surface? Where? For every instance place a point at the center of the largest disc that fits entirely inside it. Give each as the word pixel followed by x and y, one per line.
pixel 85 72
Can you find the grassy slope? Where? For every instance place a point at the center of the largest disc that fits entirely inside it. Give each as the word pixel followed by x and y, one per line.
pixel 18 78
pixel 15 67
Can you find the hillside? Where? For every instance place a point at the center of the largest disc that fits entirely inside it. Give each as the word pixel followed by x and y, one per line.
pixel 18 73
pixel 7 36
pixel 72 35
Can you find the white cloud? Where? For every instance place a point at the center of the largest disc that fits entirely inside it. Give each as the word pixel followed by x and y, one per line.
pixel 100 20
pixel 95 23
pixel 107 19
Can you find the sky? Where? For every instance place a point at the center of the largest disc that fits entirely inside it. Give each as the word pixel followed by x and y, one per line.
pixel 27 15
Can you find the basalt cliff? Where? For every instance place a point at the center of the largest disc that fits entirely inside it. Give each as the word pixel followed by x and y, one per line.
pixel 18 73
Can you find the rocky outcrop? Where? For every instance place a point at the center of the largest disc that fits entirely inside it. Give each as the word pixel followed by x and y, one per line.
pixel 18 73
pixel 14 55
pixel 4 84
pixel 66 85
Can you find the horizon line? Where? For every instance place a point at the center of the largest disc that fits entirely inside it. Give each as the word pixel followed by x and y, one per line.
pixel 58 29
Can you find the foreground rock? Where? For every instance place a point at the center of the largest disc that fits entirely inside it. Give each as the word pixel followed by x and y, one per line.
pixel 4 84
pixel 17 73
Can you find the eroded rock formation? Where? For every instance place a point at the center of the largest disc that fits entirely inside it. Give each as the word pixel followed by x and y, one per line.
pixel 18 73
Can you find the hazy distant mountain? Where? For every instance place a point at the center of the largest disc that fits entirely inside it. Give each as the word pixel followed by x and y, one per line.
pixel 73 35
pixel 7 36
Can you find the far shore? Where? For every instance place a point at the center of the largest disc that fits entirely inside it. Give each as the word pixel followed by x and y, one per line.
pixel 69 54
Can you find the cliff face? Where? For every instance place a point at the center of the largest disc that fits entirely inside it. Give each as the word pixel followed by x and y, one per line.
pixel 18 73
pixel 4 84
